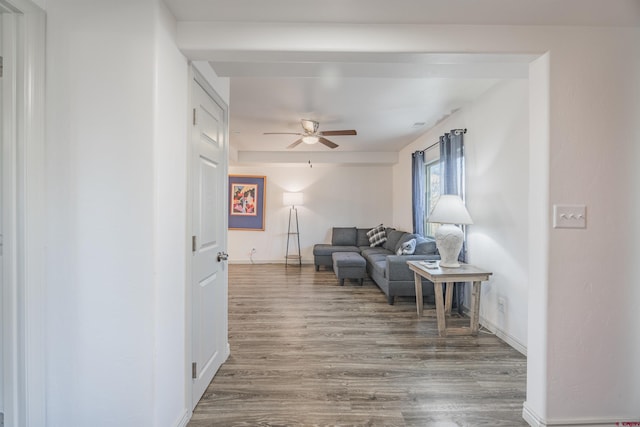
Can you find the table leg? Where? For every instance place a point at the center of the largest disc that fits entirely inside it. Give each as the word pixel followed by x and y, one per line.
pixel 419 302
pixel 442 325
pixel 449 297
pixel 475 308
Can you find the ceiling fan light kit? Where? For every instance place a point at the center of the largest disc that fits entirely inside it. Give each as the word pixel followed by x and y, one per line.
pixel 310 139
pixel 312 136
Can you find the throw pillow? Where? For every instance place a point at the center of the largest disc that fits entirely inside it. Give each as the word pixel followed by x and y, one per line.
pixel 405 238
pixel 377 236
pixel 425 246
pixel 407 248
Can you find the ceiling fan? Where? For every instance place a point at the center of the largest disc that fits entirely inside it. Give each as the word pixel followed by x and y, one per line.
pixel 312 136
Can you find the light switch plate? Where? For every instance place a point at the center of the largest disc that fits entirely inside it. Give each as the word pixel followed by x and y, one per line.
pixel 569 216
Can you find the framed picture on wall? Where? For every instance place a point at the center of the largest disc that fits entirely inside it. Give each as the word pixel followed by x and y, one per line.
pixel 246 202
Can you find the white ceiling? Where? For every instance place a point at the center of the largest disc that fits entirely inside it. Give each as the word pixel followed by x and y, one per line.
pixel 382 96
pixel 481 12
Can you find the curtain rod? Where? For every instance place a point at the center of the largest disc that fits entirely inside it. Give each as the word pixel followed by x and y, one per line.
pixel 438 142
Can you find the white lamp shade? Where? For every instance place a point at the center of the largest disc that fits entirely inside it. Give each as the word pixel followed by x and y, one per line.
pixel 292 199
pixel 450 209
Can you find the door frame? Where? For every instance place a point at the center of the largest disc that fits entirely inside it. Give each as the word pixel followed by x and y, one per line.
pixel 23 221
pixel 196 77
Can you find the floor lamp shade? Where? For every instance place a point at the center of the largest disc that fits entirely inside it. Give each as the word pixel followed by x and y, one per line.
pixel 292 199
pixel 449 210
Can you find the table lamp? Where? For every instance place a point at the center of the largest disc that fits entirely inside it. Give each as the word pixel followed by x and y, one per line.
pixel 449 210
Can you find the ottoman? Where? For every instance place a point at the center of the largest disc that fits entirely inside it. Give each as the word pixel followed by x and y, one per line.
pixel 348 265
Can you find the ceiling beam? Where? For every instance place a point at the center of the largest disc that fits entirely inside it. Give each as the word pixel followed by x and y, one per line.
pixel 318 157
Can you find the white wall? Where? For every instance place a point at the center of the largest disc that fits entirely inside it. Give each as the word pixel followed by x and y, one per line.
pixel 170 150
pixel 496 155
pixel 593 136
pixel 333 196
pixel 497 161
pixel 115 165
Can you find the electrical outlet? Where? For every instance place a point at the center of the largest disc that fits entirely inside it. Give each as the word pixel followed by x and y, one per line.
pixel 501 305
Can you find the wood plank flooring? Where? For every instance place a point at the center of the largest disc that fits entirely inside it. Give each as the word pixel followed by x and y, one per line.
pixel 308 352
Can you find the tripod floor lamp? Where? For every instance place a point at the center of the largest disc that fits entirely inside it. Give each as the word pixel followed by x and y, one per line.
pixel 293 230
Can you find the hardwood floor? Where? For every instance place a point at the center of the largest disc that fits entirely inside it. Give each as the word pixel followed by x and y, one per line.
pixel 308 352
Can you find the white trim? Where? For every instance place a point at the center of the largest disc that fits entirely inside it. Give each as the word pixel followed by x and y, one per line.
pixel 509 339
pixel 271 261
pixel 24 225
pixel 530 417
pixel 535 421
pixel 188 255
pixel 504 336
pixel 184 419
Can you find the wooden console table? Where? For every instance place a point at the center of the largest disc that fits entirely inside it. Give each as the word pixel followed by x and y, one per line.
pixel 464 273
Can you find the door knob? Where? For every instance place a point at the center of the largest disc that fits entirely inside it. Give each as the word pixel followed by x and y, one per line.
pixel 223 256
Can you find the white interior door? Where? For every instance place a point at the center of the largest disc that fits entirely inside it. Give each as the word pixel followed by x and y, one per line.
pixel 209 225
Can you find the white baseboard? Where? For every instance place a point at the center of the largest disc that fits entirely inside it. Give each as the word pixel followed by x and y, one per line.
pixel 536 421
pixel 509 339
pixel 513 342
pixel 267 261
pixel 530 417
pixel 184 420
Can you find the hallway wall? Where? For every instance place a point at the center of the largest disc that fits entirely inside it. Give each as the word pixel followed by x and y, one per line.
pixel 116 202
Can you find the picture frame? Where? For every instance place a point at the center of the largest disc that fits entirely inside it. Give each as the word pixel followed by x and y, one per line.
pixel 247 198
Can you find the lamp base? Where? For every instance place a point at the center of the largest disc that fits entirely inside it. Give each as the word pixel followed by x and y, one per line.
pixel 449 242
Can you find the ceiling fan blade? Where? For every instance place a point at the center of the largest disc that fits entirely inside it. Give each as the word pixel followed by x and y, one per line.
pixel 328 143
pixel 282 133
pixel 338 132
pixel 295 144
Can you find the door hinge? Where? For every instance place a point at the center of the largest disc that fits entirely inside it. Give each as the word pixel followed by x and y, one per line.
pixel 194 117
pixel 193 243
pixel 1 66
pixel 194 370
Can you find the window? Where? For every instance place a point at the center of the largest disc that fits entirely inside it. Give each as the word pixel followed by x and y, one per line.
pixel 432 176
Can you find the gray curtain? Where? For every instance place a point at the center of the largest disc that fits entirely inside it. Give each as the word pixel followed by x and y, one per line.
pixel 418 191
pixel 452 162
pixel 452 169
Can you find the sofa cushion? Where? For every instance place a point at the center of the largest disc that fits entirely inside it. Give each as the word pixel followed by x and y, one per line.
pixel 323 249
pixel 425 246
pixel 407 248
pixel 393 237
pixel 343 236
pixel 361 237
pixel 365 252
pixel 377 235
pixel 378 262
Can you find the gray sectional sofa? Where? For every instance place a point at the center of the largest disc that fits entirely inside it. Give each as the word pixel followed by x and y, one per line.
pixel 388 270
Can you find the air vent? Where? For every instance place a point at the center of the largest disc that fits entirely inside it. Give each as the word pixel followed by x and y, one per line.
pixel 417 125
